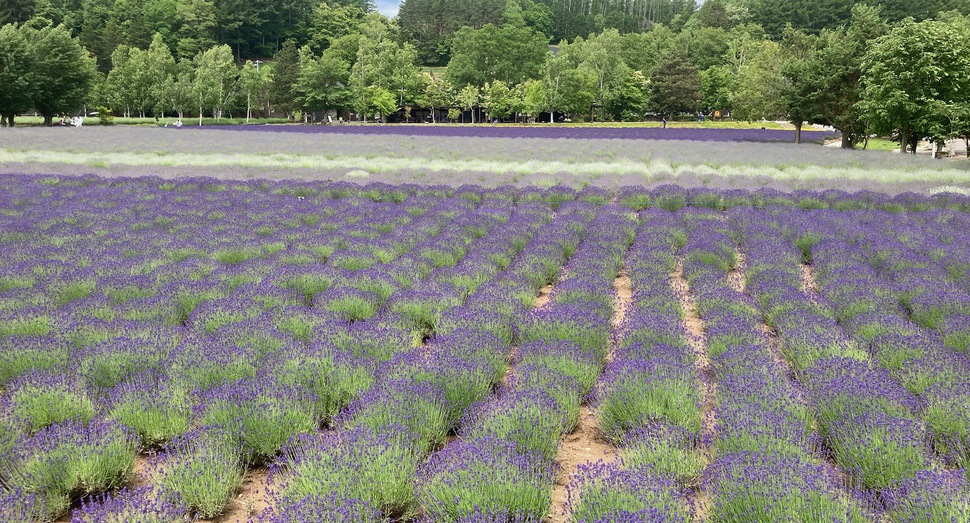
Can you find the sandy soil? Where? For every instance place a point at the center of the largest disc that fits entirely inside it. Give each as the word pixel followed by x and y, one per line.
pixel 543 298
pixel 698 498
pixel 587 443
pixel 251 500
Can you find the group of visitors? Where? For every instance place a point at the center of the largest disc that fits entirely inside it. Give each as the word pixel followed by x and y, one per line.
pixel 75 121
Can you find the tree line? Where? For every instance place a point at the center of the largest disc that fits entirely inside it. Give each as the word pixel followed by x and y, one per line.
pixel 909 79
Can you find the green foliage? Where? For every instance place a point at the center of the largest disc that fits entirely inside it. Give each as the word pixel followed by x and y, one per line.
pixel 205 470
pixel 675 87
pixel 917 79
pixel 63 71
pixel 507 53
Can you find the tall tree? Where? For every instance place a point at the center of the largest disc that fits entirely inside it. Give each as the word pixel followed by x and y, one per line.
pixel 216 80
pixel 197 23
pixel 284 76
pixel 439 93
pixel 568 89
pixel 675 86
pixel 760 84
pixel 917 81
pixel 251 82
pixel 16 11
pixel 510 54
pixel 64 72
pixel 431 24
pixel 331 21
pixel 838 64
pixel 323 84
pixel 17 78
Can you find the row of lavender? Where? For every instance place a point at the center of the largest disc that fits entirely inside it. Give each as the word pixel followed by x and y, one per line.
pixel 859 362
pixel 764 467
pixel 386 314
pixel 260 390
pixel 648 400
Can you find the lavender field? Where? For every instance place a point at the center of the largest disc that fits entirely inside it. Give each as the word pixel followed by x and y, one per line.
pixel 486 156
pixel 324 351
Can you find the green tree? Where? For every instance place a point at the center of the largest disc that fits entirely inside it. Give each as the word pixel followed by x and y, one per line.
pixel 675 86
pixel 64 72
pixel 430 24
pixel 717 88
pixel 197 23
pixel 798 74
pixel 439 93
pixel 17 74
pixel 178 92
pixel 216 80
pixel 251 83
pixel 499 100
pixel 323 83
pixel 510 54
pixel 567 88
pixel 916 81
pixel 16 11
pixel 533 98
pixel 760 84
pixel 160 69
pixel 285 74
pixel 332 21
pixel 468 99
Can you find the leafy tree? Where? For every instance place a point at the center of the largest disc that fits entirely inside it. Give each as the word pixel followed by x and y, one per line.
pixel 718 85
pixel 838 70
pixel 510 54
pixel 323 83
pixel 251 83
pixel 431 24
pixel 499 100
pixel 469 98
pixel 568 89
pixel 285 74
pixel 533 98
pixel 760 84
pixel 160 69
pixel 17 74
pixel 216 80
pixel 63 72
pixel 797 72
pixel 916 81
pixel 331 21
pixel 178 92
pixel 675 86
pixel 16 11
pixel 439 93
pixel 197 23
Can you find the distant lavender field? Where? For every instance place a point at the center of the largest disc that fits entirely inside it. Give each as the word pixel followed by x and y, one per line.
pixel 552 133
pixel 336 154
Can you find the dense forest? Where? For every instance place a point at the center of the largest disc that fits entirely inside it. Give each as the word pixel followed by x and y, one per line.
pixel 257 28
pixel 888 67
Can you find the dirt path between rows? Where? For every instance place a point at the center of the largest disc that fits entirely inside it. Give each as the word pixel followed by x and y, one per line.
pixel 586 443
pixel 251 500
pixel 699 499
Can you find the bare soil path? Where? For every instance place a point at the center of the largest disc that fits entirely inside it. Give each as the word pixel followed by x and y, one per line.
pixel 586 443
pixel 698 498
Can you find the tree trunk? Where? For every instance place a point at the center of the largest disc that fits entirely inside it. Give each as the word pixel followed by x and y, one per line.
pixel 434 117
pixel 847 142
pixel 966 140
pixel 798 132
pixel 200 116
pixel 903 140
pixel 49 120
pixel 552 117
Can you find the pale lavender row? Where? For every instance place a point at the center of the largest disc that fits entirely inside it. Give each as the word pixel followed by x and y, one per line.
pixel 546 132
